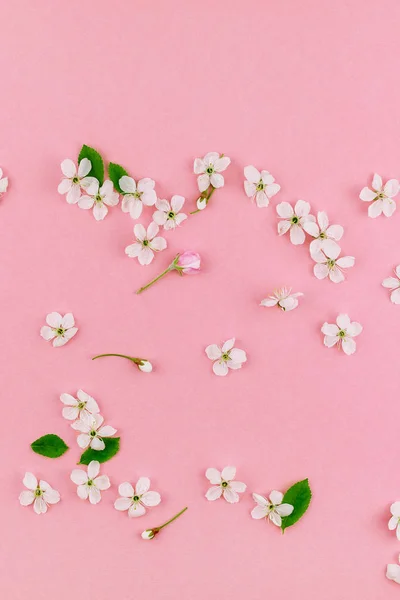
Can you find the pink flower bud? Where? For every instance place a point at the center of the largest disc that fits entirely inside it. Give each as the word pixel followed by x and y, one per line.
pixel 189 262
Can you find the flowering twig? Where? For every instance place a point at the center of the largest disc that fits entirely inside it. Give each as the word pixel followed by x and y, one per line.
pixel 203 199
pixel 187 263
pixel 148 534
pixel 142 363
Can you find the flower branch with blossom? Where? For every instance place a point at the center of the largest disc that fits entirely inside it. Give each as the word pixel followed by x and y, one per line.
pixel 187 263
pixel 209 178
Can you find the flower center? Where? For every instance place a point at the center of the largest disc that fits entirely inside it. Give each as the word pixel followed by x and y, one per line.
pixel 90 482
pixel 260 186
pixel 331 263
pixel 137 194
pixel 210 170
pixel 81 405
pixel 75 179
pixel 145 242
pixel 136 498
pixel 295 220
pixel 224 484
pixel 323 235
pixel 342 333
pixel 171 215
pixel 98 198
pixel 93 433
pixel 38 492
pixel 60 331
pixel 225 356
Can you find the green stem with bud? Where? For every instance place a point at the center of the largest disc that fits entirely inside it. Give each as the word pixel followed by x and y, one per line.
pixel 207 195
pixel 172 267
pixel 134 359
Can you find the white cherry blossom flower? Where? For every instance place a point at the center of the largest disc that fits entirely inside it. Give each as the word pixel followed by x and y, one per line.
pixel 283 298
pixel 168 215
pixel 40 494
pixel 381 196
pixel 329 265
pixel 59 329
pixel 342 334
pixel 294 220
pixel 90 484
pixel 226 357
pixel 394 521
pixel 76 180
pixel 99 201
pixel 146 243
pixel 135 500
pixel 260 186
pixel 393 572
pixel 271 508
pixel 76 408
pixel 92 431
pixel 325 235
pixel 223 484
pixel 135 196
pixel 3 182
pixel 393 283
pixel 209 170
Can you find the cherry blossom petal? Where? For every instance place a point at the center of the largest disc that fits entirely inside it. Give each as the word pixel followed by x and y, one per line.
pixel 252 174
pixel 220 368
pixel 336 275
pixel 145 256
pixel 349 346
pixel 158 243
pixel 228 345
pixel 203 181
pixel 284 510
pixel 297 235
pixel 30 481
pixel 142 486
pixel 330 341
pixel 330 329
pixel 199 166
pixel 237 355
pixel 302 208
pixel 367 195
pixel 395 296
pixel 213 352
pixel 217 180
pixel 213 493
pixel 335 232
pixel 354 329
pixel 136 510
pixel 276 497
pixel 122 503
pixel 151 499
pixel 249 188
pixel 377 182
pixel 127 184
pixel 230 495
pixel 100 211
pixel 26 497
pixel 259 512
pixel 284 210
pixel 238 486
pixel 343 321
pixel 375 209
pixel 102 482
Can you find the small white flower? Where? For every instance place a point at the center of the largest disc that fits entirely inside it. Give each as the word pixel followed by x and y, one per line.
pixel 294 220
pixel 135 196
pixel 325 235
pixel 99 201
pixel 224 485
pixel 393 572
pixel 271 508
pixel 342 334
pixel 283 298
pixel 394 521
pixel 146 243
pixel 209 170
pixel 76 408
pixel 59 329
pixel 260 186
pixel 75 180
pixel 381 196
pixel 3 182
pixel 92 431
pixel 145 366
pixel 226 357
pixel 135 500
pixel 40 494
pixel 393 283
pixel 90 484
pixel 168 215
pixel 148 534
pixel 329 265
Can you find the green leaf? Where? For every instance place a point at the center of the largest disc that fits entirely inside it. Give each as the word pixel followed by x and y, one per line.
pixel 299 496
pixel 97 169
pixel 49 445
pixel 115 172
pixel 111 449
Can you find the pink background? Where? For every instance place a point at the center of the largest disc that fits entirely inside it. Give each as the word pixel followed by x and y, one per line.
pixel 306 90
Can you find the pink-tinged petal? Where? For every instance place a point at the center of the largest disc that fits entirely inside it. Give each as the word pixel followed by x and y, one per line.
pixel 213 493
pixel 217 180
pixel 297 235
pixel 152 230
pixel 269 302
pixel 122 503
pixel 146 184
pixel 84 167
pixel 126 203
pixel 395 296
pixel 302 208
pixel 136 510
pixel 54 319
pixel 377 182
pixel 213 476
pixel 276 497
pixel 323 220
pixel 395 510
pixel 335 232
pixel 284 210
pixel 83 440
pixel 228 345
pixel 391 188
pixel 158 244
pixel 284 510
pixel 69 334
pixel 259 512
pixel 47 333
pixel 107 431
pixel 330 341
pixel 151 499
pixel 289 303
pixel 389 207
pixel 345 262
pixel 343 321
pixel 220 368
pixel 68 321
pixel 330 329
pixel 177 203
pixel 315 250
pixel 100 211
pixel 160 217
pixel 238 356
pixel 51 496
pixel 238 486
pixel 180 218
pixel 375 209
pixel 330 247
pixel 149 198
pixel 64 186
pixel 146 255
pixel 70 412
pixel 102 482
pixel 83 492
pixel 262 199
pixel 230 495
pixel 213 352
pixel 26 497
pixel 140 232
pixel 90 185
pixel 30 481
pixel 283 227
pixel 142 486
pixel 393 573
pixel 93 469
pixel 249 188
pixel 133 250
pixel 333 251
pixel 97 444
pixel 199 166
pixel 311 228
pixel 252 174
pixel 233 365
pixel 272 189
pixel 39 506
pixel 86 202
pixel 135 208
pixel 228 473
pixel 391 282
pixel 203 181
pixel 74 194
pixel 68 400
pixel 127 184
pixel 163 205
pixel 210 158
pixel 94 495
pixel 354 329
pixel 367 195
pixel 222 163
pixel 267 178
pixel 349 346
pixel 336 275
pixel 79 476
pixel 260 500
pixel 393 523
pixel 126 489
pixel 68 168
pixel 275 518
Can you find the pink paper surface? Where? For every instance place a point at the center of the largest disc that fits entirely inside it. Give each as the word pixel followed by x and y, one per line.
pixel 306 90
